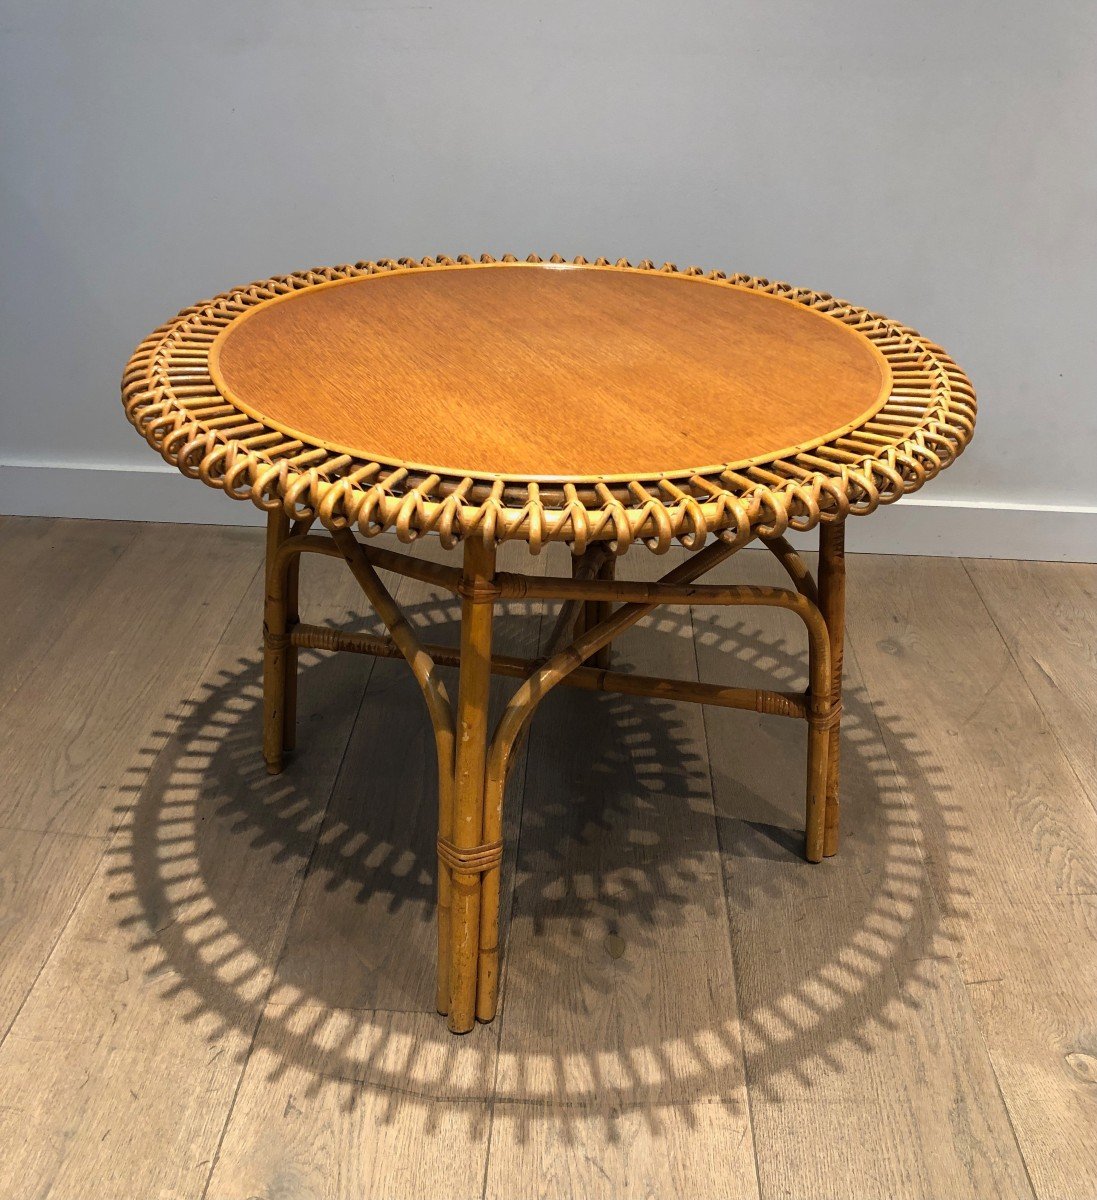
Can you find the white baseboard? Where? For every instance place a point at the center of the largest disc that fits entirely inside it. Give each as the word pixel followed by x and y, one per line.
pixel 917 525
pixel 153 493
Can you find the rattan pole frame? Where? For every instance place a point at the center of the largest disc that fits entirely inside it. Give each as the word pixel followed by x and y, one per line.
pixel 474 762
pixel 832 606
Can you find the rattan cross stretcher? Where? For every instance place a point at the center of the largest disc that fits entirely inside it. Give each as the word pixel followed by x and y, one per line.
pixel 595 404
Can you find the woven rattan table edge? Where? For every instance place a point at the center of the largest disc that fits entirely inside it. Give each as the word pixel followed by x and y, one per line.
pixel 925 423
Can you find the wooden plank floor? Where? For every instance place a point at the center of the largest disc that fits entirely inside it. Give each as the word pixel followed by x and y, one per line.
pixel 217 985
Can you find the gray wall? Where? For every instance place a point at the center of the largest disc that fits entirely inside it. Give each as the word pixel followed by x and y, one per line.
pixel 934 161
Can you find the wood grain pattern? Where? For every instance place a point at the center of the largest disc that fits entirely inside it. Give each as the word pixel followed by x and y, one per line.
pixel 352 1063
pixel 547 371
pixel 1020 875
pixel 1048 618
pixel 42 876
pixel 61 559
pixel 96 695
pixel 620 1063
pixel 137 1030
pixel 865 1066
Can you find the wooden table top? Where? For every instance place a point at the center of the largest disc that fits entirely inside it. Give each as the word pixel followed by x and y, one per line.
pixel 549 372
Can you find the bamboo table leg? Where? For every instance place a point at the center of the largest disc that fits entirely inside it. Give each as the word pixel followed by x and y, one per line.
pixel 293 617
pixel 832 603
pixel 587 607
pixel 599 610
pixel 594 611
pixel 276 645
pixel 469 858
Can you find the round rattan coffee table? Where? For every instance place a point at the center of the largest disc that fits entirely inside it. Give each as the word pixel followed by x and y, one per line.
pixel 596 404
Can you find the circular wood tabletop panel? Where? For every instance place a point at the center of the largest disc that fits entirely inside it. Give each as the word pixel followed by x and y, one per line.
pixel 548 372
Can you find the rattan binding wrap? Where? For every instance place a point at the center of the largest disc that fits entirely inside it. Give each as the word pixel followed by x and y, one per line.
pixel 171 399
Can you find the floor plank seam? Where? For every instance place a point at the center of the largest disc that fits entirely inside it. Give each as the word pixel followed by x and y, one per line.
pixel 262 1007
pixel 925 859
pixel 1067 760
pixel 47 646
pixel 1001 1094
pixel 53 946
pixel 727 913
pixel 936 900
pixel 516 853
pixel 105 838
pixel 1085 789
pixel 114 832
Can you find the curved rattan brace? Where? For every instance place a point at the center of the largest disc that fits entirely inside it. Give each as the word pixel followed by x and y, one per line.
pixel 525 701
pixel 423 667
pixel 473 768
pixel 549 673
pixel 434 692
pixel 673 587
pixel 794 566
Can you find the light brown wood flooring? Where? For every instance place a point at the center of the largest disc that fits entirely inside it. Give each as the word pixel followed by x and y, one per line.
pixel 218 985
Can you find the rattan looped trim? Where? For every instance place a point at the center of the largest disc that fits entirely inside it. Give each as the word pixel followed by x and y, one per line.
pixel 170 398
pixel 830 719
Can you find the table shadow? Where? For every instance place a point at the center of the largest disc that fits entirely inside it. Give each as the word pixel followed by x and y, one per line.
pixel 617 834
